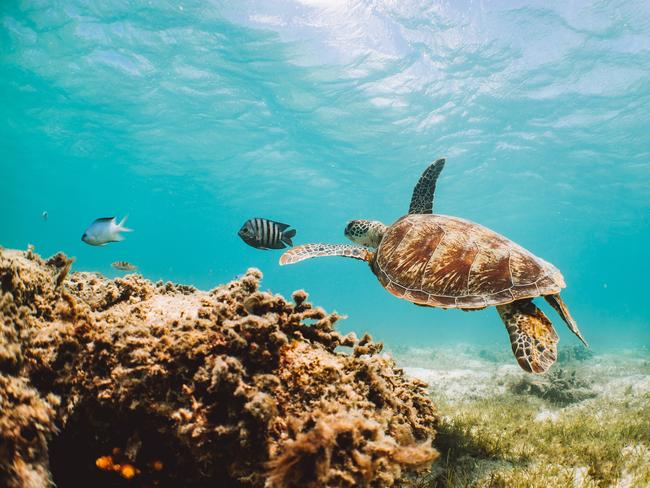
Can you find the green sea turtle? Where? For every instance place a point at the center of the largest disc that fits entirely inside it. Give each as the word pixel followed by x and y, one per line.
pixel 447 262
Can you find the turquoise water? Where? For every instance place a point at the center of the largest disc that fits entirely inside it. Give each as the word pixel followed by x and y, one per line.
pixel 195 116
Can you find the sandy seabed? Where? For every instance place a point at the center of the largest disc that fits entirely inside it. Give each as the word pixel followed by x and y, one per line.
pixel 586 423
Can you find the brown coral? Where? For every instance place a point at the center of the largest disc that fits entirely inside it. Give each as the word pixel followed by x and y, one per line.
pixel 231 387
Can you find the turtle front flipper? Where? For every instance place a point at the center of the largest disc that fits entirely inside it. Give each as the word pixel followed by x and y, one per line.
pixel 533 339
pixel 560 307
pixel 422 199
pixel 307 251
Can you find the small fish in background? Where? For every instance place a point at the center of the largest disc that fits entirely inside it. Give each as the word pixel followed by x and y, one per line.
pixel 266 234
pixel 124 266
pixel 44 215
pixel 104 230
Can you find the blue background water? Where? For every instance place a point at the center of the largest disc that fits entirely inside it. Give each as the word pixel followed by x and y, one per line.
pixel 194 116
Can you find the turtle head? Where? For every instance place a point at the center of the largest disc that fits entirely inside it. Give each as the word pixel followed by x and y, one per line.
pixel 365 232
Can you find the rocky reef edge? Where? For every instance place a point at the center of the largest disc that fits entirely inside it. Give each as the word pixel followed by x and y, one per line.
pixel 126 382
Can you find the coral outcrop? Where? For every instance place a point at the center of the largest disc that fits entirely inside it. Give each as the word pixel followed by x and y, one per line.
pixel 560 387
pixel 128 382
pixel 574 354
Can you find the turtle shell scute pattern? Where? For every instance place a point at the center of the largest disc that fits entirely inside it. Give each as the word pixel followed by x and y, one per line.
pixel 447 262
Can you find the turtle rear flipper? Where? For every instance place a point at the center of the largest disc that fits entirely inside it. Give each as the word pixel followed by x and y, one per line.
pixel 533 339
pixel 307 251
pixel 560 307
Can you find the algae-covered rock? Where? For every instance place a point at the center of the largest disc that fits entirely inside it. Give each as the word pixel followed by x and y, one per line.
pixel 128 382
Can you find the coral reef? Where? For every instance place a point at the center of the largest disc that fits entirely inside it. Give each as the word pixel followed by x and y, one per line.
pixel 560 387
pixel 128 382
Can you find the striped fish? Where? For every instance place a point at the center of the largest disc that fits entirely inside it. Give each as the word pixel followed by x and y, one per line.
pixel 124 266
pixel 266 234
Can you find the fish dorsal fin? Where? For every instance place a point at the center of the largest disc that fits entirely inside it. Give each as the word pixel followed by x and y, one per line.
pixel 422 199
pixel 105 219
pixel 282 226
pixel 307 251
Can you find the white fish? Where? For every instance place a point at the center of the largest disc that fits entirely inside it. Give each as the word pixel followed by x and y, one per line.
pixel 104 230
